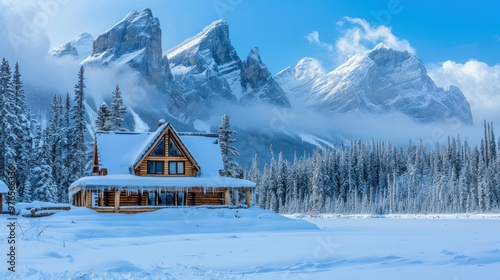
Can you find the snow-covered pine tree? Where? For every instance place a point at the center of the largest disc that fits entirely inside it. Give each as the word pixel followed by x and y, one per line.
pixel 282 182
pixel 77 146
pixel 43 185
pixel 116 111
pixel 228 151
pixel 254 175
pixel 263 188
pixel 9 123
pixel 103 118
pixel 5 85
pixel 56 140
pixel 317 183
pixel 24 147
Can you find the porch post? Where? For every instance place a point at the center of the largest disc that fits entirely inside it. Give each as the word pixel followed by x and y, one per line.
pixel 117 200
pixel 101 198
pixel 88 199
pixel 82 197
pixel 227 197
pixel 248 198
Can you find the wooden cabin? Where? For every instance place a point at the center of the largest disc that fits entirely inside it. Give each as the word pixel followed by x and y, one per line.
pixel 139 172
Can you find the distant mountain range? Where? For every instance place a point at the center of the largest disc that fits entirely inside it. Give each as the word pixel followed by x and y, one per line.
pixel 379 81
pixel 205 71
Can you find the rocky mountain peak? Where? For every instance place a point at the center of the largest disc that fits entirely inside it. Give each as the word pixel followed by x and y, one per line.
pixel 79 48
pixel 308 68
pixel 258 83
pixel 379 81
pixel 213 40
pixel 135 41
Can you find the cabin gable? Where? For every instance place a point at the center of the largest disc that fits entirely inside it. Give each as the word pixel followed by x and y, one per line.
pixel 167 156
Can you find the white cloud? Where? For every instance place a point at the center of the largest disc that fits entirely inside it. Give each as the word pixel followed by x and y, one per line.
pixel 361 36
pixel 479 82
pixel 313 38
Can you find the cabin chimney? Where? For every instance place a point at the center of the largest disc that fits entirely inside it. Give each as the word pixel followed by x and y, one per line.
pixel 161 122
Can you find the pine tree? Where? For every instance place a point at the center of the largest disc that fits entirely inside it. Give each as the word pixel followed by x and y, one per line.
pixel 282 182
pixel 102 119
pixel 116 111
pixel 24 146
pixel 43 185
pixel 317 183
pixel 77 146
pixel 254 175
pixel 231 167
pixel 9 122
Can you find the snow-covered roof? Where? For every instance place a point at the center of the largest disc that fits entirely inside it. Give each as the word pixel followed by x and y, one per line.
pixel 3 188
pixel 206 151
pixel 117 151
pixel 132 182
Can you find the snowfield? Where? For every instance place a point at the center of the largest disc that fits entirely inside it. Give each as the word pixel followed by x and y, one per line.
pixel 200 243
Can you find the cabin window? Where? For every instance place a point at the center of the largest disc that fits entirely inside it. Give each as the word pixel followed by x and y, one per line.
pixel 175 167
pixel 173 150
pixel 152 198
pixel 180 199
pixel 159 150
pixel 155 167
pixel 166 199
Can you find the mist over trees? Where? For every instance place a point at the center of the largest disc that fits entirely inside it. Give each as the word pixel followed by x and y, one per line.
pixel 375 177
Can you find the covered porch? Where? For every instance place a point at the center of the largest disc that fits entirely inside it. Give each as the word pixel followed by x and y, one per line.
pixel 137 194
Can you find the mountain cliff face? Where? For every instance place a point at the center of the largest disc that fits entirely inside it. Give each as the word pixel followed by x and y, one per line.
pixel 79 48
pixel 207 66
pixel 210 69
pixel 258 83
pixel 135 41
pixel 381 81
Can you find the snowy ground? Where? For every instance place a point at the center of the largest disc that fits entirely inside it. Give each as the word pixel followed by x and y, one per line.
pixel 252 244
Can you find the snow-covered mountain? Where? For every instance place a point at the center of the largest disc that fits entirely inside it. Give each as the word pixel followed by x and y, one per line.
pixel 209 69
pixel 194 80
pixel 136 42
pixel 302 77
pixel 79 48
pixel 380 81
pixel 258 83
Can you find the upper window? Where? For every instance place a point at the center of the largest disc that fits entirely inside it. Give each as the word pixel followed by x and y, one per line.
pixel 176 167
pixel 159 150
pixel 173 150
pixel 155 167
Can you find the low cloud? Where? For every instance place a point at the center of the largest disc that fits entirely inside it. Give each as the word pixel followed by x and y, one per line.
pixel 359 36
pixel 313 38
pixel 479 82
pixel 343 127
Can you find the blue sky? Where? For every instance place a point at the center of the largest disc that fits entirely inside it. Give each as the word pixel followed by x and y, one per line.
pixel 436 30
pixel 458 41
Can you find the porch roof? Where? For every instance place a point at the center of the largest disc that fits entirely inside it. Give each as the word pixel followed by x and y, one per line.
pixel 132 182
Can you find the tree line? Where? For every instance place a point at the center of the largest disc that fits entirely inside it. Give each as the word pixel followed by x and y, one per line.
pixel 379 178
pixel 47 159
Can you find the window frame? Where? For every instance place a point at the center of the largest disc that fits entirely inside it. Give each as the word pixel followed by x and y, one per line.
pixel 171 144
pixel 156 163
pixel 164 150
pixel 176 168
